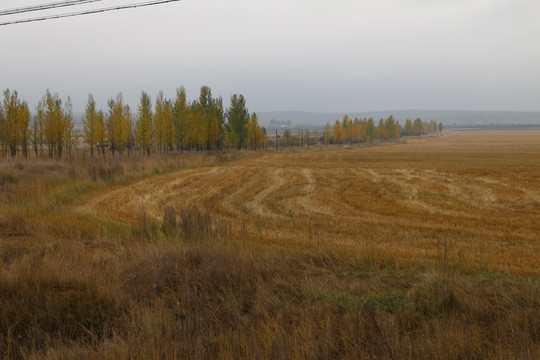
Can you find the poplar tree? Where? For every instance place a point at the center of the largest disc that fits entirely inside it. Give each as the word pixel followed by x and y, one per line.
pixel 54 124
pixel 198 127
pixel 390 128
pixel 144 124
pixel 212 118
pixel 34 135
pixel 238 117
pixel 205 107
pixel 433 126
pixel 24 132
pixel 90 124
pixel 381 130
pixel 347 129
pixel 13 123
pixel 357 130
pixel 337 132
pixel 397 130
pixel 118 124
pixel 38 129
pixel 70 134
pixel 160 128
pixel 371 132
pixel 101 131
pixel 255 135
pixel 408 130
pixel 7 122
pixel 219 125
pixel 326 134
pixel 180 119
pixel 363 132
pixel 128 139
pixel 168 124
pixel 418 127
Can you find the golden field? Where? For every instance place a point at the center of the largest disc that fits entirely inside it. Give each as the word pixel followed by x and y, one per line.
pixel 424 249
pixel 476 192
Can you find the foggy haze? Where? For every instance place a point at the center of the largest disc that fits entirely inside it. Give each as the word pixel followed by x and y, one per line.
pixel 329 56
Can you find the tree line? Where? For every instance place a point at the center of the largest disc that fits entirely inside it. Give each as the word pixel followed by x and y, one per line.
pixel 349 131
pixel 364 130
pixel 175 124
pixel 167 125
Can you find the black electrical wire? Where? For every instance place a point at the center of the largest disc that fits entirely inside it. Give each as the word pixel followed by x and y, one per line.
pixel 55 5
pixel 86 12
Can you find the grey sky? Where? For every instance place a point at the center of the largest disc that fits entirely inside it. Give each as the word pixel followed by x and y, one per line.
pixel 312 55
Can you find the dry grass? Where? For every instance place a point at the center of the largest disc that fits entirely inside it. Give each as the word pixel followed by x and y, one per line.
pixel 423 250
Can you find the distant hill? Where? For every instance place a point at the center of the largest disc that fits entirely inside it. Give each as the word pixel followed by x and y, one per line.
pixel 450 118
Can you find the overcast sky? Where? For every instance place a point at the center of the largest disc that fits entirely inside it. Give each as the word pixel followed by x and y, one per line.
pixel 312 55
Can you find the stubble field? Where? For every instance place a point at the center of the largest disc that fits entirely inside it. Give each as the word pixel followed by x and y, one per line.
pixel 475 193
pixel 420 250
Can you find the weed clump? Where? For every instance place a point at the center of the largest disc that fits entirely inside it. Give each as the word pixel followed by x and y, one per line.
pixel 196 223
pixel 170 222
pixel 144 229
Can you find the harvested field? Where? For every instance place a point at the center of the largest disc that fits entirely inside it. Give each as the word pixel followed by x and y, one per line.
pixel 417 250
pixel 472 195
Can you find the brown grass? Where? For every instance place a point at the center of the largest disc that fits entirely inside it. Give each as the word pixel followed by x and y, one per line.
pixel 423 250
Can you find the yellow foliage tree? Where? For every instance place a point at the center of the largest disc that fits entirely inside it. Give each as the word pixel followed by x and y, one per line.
pixel 337 132
pixel 168 125
pixel 37 134
pixel 326 134
pixel 408 130
pixel 90 124
pixel 71 136
pixel 54 127
pixel 347 129
pixel 119 124
pixel 101 132
pixel 160 122
pixel 255 134
pixel 14 122
pixel 180 110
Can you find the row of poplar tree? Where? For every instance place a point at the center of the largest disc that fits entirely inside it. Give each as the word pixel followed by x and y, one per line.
pixel 171 124
pixel 365 130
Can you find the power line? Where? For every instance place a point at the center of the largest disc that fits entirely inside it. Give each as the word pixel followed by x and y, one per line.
pixel 86 12
pixel 45 6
